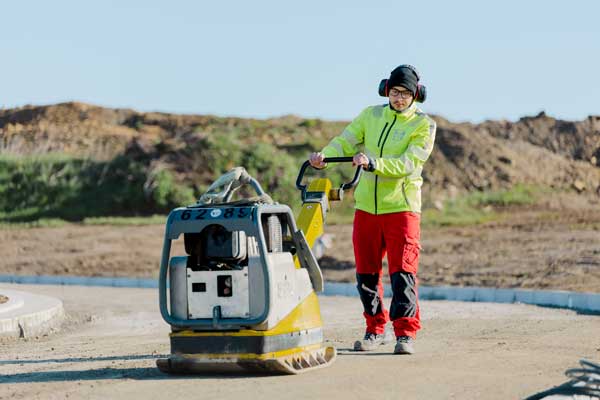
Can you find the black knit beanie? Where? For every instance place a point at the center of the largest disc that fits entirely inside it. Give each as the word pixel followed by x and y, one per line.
pixel 403 76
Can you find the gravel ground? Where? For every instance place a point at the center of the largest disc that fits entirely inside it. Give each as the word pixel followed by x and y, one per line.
pixel 112 336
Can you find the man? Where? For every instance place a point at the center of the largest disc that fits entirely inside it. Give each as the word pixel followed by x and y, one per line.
pixel 397 139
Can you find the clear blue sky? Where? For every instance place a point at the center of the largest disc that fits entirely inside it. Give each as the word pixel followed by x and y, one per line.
pixel 314 58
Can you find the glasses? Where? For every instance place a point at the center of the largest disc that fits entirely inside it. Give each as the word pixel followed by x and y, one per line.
pixel 405 94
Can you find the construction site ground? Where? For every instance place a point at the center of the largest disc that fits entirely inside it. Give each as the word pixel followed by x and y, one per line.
pixel 111 338
pixel 552 246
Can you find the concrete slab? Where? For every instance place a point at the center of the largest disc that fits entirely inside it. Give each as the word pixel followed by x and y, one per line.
pixel 28 314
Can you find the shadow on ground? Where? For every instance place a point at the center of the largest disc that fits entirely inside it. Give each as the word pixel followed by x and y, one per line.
pixel 140 373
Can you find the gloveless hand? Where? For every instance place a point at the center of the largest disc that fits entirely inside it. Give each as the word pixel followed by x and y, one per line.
pixel 360 159
pixel 316 160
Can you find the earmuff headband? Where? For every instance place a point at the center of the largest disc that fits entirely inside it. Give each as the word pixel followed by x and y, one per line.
pixel 420 92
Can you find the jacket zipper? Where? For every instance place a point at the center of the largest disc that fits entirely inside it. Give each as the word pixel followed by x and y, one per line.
pixel 381 154
pixel 378 143
pixel 381 134
pixel 386 136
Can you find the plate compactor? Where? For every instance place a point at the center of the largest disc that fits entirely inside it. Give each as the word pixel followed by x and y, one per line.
pixel 243 298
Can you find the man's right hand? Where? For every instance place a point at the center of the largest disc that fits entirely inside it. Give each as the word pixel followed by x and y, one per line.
pixel 316 160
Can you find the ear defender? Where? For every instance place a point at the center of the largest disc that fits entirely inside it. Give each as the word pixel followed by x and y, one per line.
pixel 383 91
pixel 420 94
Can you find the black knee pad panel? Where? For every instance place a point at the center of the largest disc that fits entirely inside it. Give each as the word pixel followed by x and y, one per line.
pixel 404 299
pixel 369 295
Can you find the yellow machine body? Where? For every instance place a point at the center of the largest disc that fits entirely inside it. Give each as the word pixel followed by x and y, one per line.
pixel 285 339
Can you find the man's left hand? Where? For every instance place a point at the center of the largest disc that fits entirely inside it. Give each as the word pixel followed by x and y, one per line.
pixel 360 159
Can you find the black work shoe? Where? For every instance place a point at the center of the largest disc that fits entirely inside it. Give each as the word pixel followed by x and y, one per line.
pixel 404 345
pixel 371 341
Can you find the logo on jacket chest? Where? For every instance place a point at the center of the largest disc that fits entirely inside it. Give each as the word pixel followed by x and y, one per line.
pixel 397 134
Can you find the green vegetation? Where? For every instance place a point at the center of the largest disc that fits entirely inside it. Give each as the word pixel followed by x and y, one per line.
pixel 54 189
pixel 518 195
pixel 56 186
pixel 40 223
pixel 275 167
pixel 126 221
pixel 457 213
pixel 112 221
pixel 469 209
pixel 478 207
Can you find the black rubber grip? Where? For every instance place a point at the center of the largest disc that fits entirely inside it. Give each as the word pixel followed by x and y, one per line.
pixel 345 186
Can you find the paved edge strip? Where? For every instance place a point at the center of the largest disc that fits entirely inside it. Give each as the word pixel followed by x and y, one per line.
pixel 37 315
pixel 584 302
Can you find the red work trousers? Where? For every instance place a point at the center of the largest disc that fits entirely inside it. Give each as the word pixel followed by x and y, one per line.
pixel 398 235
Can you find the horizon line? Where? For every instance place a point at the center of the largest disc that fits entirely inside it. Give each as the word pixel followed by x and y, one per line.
pixel 541 113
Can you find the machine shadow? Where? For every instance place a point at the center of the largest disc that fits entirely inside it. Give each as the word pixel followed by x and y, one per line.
pixel 352 352
pixel 139 374
pixel 84 359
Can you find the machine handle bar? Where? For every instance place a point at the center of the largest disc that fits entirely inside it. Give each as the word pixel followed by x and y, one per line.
pixel 345 186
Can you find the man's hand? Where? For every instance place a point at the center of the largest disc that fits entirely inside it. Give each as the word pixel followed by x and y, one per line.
pixel 316 160
pixel 360 159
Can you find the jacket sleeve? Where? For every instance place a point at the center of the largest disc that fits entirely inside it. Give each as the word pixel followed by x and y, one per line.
pixel 346 144
pixel 417 152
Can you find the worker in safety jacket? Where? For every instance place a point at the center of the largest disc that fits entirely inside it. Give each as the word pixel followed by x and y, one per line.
pixel 397 139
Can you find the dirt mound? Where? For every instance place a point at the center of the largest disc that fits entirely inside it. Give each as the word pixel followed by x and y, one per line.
pixel 536 150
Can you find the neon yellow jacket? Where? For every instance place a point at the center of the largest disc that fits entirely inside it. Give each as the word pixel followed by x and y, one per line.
pixel 399 143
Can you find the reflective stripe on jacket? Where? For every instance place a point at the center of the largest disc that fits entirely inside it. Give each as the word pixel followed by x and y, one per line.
pixel 399 143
